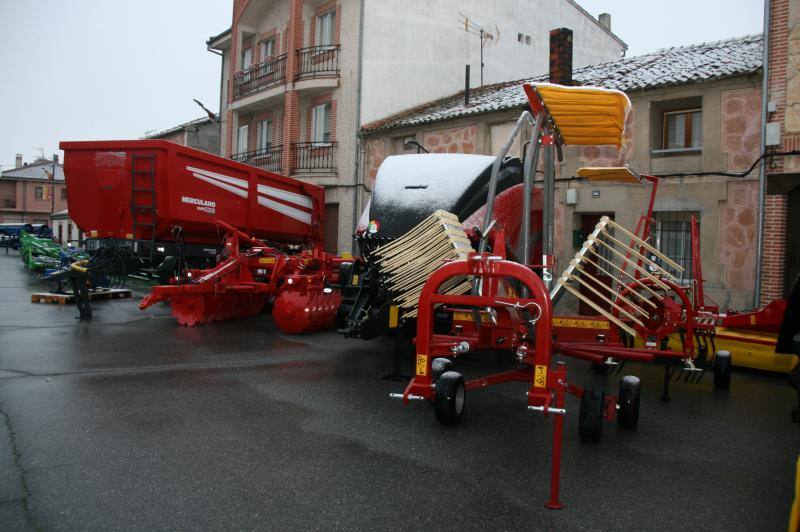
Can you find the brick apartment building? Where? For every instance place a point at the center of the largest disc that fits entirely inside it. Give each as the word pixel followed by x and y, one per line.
pixel 694 109
pixel 300 77
pixel 781 248
pixel 28 192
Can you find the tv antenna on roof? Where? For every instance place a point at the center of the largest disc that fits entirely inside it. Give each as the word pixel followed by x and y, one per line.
pixel 485 35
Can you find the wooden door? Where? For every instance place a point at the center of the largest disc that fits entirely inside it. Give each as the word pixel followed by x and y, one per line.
pixel 331 228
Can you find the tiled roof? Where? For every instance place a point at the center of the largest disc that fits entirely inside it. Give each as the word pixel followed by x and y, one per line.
pixel 669 66
pixel 192 123
pixel 40 171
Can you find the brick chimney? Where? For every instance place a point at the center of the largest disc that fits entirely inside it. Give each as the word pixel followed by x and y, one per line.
pixel 605 20
pixel 561 56
pixel 18 161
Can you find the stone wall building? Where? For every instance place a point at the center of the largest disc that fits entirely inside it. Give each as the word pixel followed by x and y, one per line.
pixel 695 111
pixel 300 77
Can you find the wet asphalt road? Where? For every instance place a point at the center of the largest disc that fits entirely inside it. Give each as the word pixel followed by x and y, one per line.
pixel 131 421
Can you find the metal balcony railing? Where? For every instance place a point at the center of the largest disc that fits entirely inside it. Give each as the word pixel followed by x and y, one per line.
pixel 260 77
pixel 270 158
pixel 314 157
pixel 318 62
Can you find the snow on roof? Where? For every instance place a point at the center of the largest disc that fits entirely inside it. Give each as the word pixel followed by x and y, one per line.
pixel 669 66
pixel 192 123
pixel 41 171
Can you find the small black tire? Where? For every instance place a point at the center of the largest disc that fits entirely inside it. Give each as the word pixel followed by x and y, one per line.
pixel 439 366
pixel 722 370
pixel 448 404
pixel 590 420
pixel 629 398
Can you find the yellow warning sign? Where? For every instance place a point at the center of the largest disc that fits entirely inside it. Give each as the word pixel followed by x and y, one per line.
pixel 355 280
pixel 466 316
pixel 393 316
pixel 422 365
pixel 266 260
pixel 540 376
pixel 577 323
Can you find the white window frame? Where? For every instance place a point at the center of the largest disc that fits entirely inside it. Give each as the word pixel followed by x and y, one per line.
pixel 247 61
pixel 247 57
pixel 266 63
pixel 267 44
pixel 325 28
pixel 241 138
pixel 321 124
pixel 697 135
pixel 265 136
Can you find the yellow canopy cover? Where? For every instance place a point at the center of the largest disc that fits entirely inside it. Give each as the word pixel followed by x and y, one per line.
pixel 586 115
pixel 618 174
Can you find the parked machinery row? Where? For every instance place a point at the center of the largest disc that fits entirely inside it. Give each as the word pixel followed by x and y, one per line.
pixel 457 252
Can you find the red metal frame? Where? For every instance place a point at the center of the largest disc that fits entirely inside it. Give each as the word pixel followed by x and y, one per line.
pixel 547 386
pixel 241 284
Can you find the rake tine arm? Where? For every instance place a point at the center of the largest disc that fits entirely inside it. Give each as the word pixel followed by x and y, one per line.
pixel 640 269
pixel 638 309
pixel 619 323
pixel 634 279
pixel 640 256
pixel 645 245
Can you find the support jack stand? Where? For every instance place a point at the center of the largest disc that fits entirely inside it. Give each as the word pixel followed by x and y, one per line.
pixel 401 348
pixel 81 291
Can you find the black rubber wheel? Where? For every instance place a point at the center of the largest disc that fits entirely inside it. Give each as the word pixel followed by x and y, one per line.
pixel 590 420
pixel 629 395
pixel 448 403
pixel 722 370
pixel 439 366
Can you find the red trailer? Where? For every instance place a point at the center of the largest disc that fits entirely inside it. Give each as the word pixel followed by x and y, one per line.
pixel 139 191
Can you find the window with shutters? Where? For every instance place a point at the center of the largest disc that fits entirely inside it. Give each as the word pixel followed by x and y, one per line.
pixel 677 126
pixel 683 129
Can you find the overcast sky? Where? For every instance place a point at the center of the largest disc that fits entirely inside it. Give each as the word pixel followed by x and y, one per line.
pixel 114 69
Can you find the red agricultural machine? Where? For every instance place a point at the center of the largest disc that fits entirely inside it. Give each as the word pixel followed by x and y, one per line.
pixel 483 290
pixel 169 204
pixel 422 275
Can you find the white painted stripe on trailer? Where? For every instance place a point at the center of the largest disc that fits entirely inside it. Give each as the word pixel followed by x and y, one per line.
pixel 291 212
pixel 291 197
pixel 222 177
pixel 229 188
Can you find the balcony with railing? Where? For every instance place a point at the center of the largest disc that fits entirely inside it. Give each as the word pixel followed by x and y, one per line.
pixel 260 77
pixel 318 62
pixel 314 157
pixel 269 158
